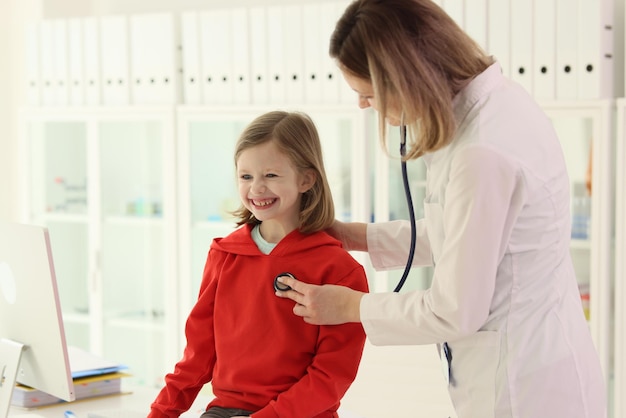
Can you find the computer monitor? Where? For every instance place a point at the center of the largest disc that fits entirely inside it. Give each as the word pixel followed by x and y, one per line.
pixel 33 349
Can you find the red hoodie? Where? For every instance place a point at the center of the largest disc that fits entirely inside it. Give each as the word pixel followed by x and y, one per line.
pixel 257 354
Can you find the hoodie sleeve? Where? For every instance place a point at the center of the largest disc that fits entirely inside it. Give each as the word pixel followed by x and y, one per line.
pixel 334 367
pixel 196 367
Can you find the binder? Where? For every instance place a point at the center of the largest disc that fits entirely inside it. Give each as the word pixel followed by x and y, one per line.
pixel 595 60
pixel 114 59
pixel 499 33
pixel 276 55
pixel 91 59
pixel 33 78
pixel 60 71
pixel 346 94
pixel 544 49
pixel 241 56
pixel 315 50
pixel 46 40
pixel 190 40
pixel 566 49
pixel 216 56
pixel 259 76
pixel 153 57
pixel 331 76
pixel 522 43
pixel 293 47
pixel 475 19
pixel 76 62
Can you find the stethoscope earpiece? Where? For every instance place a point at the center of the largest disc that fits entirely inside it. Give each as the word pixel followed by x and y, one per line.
pixel 281 287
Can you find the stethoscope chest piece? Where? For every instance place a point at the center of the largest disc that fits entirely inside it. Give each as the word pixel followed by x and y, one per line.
pixel 281 287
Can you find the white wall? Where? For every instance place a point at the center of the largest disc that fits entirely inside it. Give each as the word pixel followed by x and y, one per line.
pixel 13 14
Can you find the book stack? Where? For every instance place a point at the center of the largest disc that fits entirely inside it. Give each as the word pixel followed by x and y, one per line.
pixel 92 376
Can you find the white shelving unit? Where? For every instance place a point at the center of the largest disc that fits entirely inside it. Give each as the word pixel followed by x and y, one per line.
pixel 585 129
pixel 102 181
pixel 619 387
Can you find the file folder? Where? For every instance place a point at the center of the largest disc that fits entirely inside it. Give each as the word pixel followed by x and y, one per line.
pixel 91 57
pixel 153 58
pixel 522 43
pixel 331 76
pixel 60 71
pixel 76 67
pixel 216 56
pixel 190 40
pixel 240 56
pixel 33 78
pixel 46 38
pixel 293 48
pixel 346 94
pixel 595 64
pixel 315 50
pixel 114 60
pixel 567 49
pixel 276 55
pixel 499 33
pixel 544 49
pixel 259 51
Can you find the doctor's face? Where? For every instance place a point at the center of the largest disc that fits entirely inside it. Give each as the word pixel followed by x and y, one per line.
pixel 366 98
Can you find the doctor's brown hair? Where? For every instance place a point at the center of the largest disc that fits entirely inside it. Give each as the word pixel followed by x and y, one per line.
pixel 296 136
pixel 413 52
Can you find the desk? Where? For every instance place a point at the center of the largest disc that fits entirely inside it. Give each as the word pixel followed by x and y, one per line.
pixel 137 399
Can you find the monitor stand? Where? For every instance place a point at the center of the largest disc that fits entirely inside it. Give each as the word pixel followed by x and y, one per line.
pixel 10 355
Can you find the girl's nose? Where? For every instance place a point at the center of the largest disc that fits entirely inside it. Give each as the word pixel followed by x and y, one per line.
pixel 258 186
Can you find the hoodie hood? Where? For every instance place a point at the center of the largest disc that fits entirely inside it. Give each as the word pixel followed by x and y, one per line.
pixel 240 242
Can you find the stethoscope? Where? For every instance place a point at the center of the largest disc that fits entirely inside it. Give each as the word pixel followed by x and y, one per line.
pixel 278 286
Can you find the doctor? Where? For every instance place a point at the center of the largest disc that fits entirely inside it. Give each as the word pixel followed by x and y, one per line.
pixel 496 225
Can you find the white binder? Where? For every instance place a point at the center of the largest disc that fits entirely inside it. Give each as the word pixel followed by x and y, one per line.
pixel 241 56
pixel 259 76
pixel 544 49
pixel 153 59
pixel 522 43
pixel 595 59
pixel 346 94
pixel 76 62
pixel 276 55
pixel 315 50
pixel 216 56
pixel 190 40
pixel 499 33
pixel 91 57
pixel 60 50
pixel 46 38
pixel 114 59
pixel 33 78
pixel 293 50
pixel 331 76
pixel 567 49
pixel 476 21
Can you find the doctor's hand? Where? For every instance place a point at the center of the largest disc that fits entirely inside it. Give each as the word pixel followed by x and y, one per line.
pixel 322 305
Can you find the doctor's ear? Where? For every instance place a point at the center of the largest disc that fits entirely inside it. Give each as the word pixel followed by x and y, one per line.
pixel 307 180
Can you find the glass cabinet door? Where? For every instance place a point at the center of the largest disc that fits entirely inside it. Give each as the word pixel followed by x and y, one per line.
pixel 58 199
pixel 136 244
pixel 584 130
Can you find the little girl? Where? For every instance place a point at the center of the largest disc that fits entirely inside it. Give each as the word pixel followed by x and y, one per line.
pixel 261 359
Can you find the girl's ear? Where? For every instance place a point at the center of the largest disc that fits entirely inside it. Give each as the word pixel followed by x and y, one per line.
pixel 307 180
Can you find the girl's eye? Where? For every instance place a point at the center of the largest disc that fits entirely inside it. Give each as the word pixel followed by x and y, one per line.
pixel 246 176
pixel 271 175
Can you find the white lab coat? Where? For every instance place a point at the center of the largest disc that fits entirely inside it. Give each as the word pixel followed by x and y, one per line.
pixel 504 294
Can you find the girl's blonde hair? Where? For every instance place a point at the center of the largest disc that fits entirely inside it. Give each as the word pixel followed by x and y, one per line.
pixel 413 52
pixel 296 136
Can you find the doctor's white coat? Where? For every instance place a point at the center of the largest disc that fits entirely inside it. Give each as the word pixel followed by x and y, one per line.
pixel 504 296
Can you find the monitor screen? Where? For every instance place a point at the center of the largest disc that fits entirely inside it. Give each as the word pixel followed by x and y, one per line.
pixel 30 315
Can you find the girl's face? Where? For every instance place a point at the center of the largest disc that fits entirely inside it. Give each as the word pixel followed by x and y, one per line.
pixel 365 90
pixel 271 188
